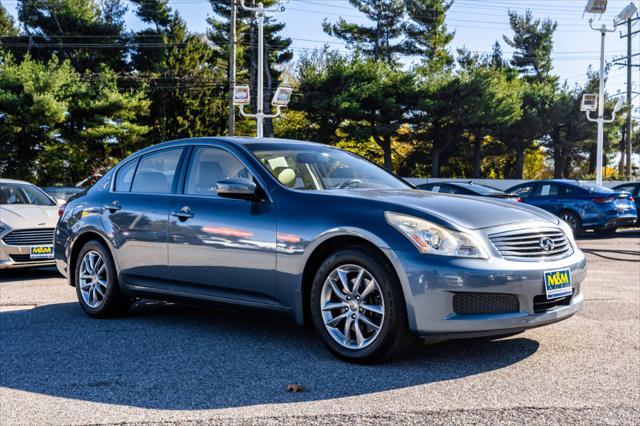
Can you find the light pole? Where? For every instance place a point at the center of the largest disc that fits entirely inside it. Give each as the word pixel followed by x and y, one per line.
pixel 600 120
pixel 600 7
pixel 260 115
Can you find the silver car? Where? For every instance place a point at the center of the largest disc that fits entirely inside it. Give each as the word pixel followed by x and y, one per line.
pixel 28 218
pixel 320 235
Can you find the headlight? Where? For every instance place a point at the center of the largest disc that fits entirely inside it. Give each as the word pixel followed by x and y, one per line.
pixel 430 238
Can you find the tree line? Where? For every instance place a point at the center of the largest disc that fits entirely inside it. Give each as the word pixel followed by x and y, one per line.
pixel 79 91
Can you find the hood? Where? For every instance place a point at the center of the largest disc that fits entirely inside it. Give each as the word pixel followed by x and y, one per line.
pixel 461 210
pixel 21 216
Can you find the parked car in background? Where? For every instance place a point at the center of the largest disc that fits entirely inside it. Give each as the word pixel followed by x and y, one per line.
pixel 582 205
pixel 468 188
pixel 28 218
pixel 318 234
pixel 62 193
pixel 632 188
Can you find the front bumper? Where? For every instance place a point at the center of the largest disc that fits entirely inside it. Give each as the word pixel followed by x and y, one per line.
pixel 431 282
pixel 19 257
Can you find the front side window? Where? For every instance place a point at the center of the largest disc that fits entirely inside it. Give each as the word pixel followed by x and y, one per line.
pixel 308 167
pixel 156 171
pixel 211 165
pixel 22 193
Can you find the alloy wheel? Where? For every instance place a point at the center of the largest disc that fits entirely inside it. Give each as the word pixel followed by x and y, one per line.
pixel 93 279
pixel 352 306
pixel 571 220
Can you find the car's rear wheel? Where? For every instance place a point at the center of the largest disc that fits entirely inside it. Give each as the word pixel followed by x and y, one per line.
pixel 97 284
pixel 358 308
pixel 573 220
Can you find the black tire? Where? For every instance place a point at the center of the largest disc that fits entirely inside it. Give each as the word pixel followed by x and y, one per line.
pixel 573 220
pixel 394 335
pixel 114 302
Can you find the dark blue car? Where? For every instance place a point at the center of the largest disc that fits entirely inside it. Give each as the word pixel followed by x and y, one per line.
pixel 582 205
pixel 317 234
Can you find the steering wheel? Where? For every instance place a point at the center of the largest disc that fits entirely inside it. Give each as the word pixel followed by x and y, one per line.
pixel 348 183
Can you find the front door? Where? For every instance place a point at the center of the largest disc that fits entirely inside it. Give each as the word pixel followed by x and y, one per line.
pixel 220 247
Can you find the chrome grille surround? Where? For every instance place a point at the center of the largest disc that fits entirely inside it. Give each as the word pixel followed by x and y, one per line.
pixel 29 237
pixel 525 245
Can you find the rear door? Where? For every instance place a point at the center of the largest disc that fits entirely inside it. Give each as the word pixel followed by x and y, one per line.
pixel 221 247
pixel 136 214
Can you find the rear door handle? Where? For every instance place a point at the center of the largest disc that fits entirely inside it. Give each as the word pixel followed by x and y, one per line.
pixel 113 207
pixel 183 214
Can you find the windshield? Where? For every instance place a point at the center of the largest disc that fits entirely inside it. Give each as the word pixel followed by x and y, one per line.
pixel 307 167
pixel 21 193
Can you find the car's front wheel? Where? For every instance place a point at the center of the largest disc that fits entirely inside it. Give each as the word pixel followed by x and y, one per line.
pixel 358 308
pixel 97 284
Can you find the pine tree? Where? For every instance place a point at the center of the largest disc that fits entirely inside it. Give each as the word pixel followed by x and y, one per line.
pixel 380 41
pixel 426 32
pixel 7 24
pixel 276 52
pixel 88 33
pixel 533 43
pixel 185 86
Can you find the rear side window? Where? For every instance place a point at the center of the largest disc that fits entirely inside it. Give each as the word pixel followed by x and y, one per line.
pixel 125 176
pixel 523 191
pixel 156 171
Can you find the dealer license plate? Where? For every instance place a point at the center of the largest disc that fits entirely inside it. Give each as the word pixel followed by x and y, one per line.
pixel 41 252
pixel 558 283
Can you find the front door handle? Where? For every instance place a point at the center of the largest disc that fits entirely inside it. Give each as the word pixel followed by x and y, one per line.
pixel 183 214
pixel 113 207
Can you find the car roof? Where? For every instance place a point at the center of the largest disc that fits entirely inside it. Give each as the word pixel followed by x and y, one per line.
pixel 3 180
pixel 232 140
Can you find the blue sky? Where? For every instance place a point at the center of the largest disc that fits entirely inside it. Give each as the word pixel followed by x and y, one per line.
pixel 477 25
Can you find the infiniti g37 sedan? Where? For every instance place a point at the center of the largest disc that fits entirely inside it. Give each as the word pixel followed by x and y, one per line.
pixel 320 235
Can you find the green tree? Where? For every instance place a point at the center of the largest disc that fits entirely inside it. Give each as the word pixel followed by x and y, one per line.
pixel 186 88
pixel 58 125
pixel 382 40
pixel 533 44
pixel 7 24
pixel 426 32
pixel 34 98
pixel 88 33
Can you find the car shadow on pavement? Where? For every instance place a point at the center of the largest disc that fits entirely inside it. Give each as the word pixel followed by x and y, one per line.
pixel 26 274
pixel 177 357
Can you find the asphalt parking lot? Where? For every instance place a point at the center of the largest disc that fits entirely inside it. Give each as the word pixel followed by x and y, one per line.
pixel 176 364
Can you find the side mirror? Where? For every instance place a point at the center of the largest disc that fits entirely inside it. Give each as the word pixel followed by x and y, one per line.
pixel 236 188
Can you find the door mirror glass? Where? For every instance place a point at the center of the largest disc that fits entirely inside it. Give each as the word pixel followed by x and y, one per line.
pixel 236 188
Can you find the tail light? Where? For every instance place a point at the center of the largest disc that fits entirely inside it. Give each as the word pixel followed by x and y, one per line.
pixel 61 209
pixel 631 198
pixel 602 200
pixel 518 200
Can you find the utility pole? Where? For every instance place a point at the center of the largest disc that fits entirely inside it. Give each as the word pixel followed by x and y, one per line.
pixel 629 64
pixel 260 115
pixel 232 68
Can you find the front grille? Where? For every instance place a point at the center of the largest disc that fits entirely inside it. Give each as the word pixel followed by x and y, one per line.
pixel 541 304
pixel 29 237
pixel 527 245
pixel 485 303
pixel 21 258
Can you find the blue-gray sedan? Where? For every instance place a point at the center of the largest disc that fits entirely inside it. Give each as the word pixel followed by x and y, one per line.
pixel 318 234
